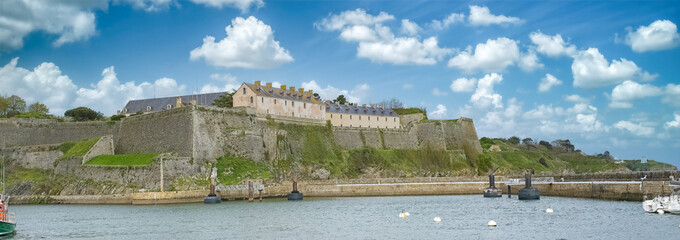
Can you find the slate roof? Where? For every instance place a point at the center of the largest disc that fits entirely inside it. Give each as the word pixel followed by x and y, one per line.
pixel 160 104
pixel 287 94
pixel 368 110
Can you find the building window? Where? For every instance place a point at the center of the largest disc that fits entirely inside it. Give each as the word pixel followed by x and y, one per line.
pixel 169 106
pixel 350 117
pixel 340 116
pixel 251 99
pixel 331 115
pixel 292 103
pixel 148 108
pixel 320 107
pixel 369 118
pixel 267 111
pixel 274 101
pixel 304 105
pixel 292 114
pixel 244 90
pixel 359 119
pixel 395 119
pixel 262 100
pixel 124 110
pixel 285 103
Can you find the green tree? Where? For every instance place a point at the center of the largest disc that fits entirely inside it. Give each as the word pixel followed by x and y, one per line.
pixel 513 140
pixel 225 101
pixel 16 103
pixel 38 108
pixel 3 105
pixel 527 141
pixel 341 100
pixel 546 144
pixel 83 114
pixel 316 95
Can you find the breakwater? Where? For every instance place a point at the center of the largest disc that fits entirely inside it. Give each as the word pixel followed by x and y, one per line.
pixel 605 190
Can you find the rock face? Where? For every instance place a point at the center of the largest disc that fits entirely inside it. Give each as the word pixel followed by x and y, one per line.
pixel 494 148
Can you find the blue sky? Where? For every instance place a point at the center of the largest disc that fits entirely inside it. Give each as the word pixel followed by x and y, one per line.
pixel 602 74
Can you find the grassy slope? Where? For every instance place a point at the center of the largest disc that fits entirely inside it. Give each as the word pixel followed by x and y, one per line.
pixel 72 149
pixel 231 169
pixel 124 159
pixel 651 165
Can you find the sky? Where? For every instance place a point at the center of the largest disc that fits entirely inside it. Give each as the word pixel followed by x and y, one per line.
pixel 603 74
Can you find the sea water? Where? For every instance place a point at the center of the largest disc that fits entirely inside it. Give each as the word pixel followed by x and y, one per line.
pixel 463 217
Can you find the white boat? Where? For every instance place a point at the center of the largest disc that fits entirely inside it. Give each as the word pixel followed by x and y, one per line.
pixel 665 204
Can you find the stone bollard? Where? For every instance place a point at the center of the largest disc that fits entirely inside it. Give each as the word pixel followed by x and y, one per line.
pixel 528 193
pixel 250 191
pixel 295 195
pixel 492 191
pixel 212 197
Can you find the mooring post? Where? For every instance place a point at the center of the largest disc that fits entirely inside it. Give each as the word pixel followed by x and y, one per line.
pixel 295 186
pixel 260 195
pixel 509 191
pixel 295 194
pixel 250 191
pixel 161 174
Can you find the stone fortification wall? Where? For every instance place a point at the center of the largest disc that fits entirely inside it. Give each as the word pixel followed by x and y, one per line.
pixel 158 132
pixel 146 177
pixel 620 176
pixel 104 146
pixel 38 156
pixel 18 132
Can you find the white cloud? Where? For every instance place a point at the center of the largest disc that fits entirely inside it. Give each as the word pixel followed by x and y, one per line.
pixel 409 28
pixel 350 18
pixel 484 95
pixel 675 123
pixel 439 93
pixel 45 84
pixel 672 95
pixel 529 62
pixel 359 92
pixel 591 69
pixel 109 94
pixel 552 46
pixel 463 85
pixel 576 99
pixel 660 35
pixel 481 16
pixel 403 51
pixel 378 43
pixel 453 18
pixel 548 82
pixel 636 129
pixel 359 33
pixel 72 21
pixel 225 82
pixel 407 86
pixel 440 113
pixel 628 91
pixel 244 5
pixel 249 44
pixel 492 56
pixel 149 5
pixel 541 112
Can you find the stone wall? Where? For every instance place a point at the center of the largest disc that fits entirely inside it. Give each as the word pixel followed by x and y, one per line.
pixel 158 132
pixel 146 176
pixel 104 146
pixel 18 132
pixel 39 156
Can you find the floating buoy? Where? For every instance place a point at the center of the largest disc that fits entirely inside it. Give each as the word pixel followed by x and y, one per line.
pixel 660 211
pixel 407 214
pixel 549 210
pixel 492 223
pixel 437 219
pixel 402 215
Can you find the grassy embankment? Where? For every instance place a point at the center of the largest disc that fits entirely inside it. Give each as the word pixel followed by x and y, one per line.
pixel 74 149
pixel 651 165
pixel 124 159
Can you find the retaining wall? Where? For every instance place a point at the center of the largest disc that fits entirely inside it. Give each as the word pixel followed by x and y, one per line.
pixel 19 132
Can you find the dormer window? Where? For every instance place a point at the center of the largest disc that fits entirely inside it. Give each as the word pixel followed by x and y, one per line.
pixel 125 110
pixel 169 107
pixel 148 108
pixel 244 90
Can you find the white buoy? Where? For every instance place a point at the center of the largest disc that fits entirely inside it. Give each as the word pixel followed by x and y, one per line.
pixel 549 210
pixel 492 223
pixel 437 219
pixel 660 211
pixel 407 214
pixel 402 215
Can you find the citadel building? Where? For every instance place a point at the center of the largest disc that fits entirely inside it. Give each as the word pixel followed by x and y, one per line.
pixel 282 101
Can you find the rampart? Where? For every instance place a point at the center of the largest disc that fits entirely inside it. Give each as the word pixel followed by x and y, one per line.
pixel 27 132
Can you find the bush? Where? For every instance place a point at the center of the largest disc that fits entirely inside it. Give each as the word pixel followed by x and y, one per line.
pixel 83 114
pixel 486 142
pixel 117 117
pixel 13 113
pixel 546 144
pixel 513 140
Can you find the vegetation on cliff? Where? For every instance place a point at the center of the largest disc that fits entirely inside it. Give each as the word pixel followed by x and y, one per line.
pixel 651 165
pixel 72 149
pixel 231 170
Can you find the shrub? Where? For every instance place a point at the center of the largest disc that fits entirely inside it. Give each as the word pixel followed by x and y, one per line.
pixel 117 117
pixel 83 114
pixel 513 140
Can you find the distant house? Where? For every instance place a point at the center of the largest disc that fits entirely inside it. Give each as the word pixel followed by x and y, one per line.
pixel 282 101
pixel 167 103
pixel 345 115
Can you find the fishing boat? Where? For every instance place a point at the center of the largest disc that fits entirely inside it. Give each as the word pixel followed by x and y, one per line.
pixel 7 221
pixel 665 204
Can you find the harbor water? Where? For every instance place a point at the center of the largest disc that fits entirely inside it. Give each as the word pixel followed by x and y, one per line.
pixel 462 217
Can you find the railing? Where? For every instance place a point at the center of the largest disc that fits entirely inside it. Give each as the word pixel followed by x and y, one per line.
pixel 535 180
pixel 256 187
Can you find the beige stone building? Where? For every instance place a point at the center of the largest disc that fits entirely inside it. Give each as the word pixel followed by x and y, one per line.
pixel 362 116
pixel 283 101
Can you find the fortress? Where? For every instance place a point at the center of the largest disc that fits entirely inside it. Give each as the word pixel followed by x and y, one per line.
pixel 191 133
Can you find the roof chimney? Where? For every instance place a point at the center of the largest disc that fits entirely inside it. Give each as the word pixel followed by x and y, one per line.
pixel 346 104
pixel 310 92
pixel 363 105
pixel 302 90
pixel 292 89
pixel 283 87
pixel 373 105
pixel 269 85
pixel 178 103
pixel 257 83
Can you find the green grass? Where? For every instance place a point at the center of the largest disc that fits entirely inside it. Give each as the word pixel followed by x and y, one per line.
pixel 231 170
pixel 405 111
pixel 124 159
pixel 651 165
pixel 79 148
